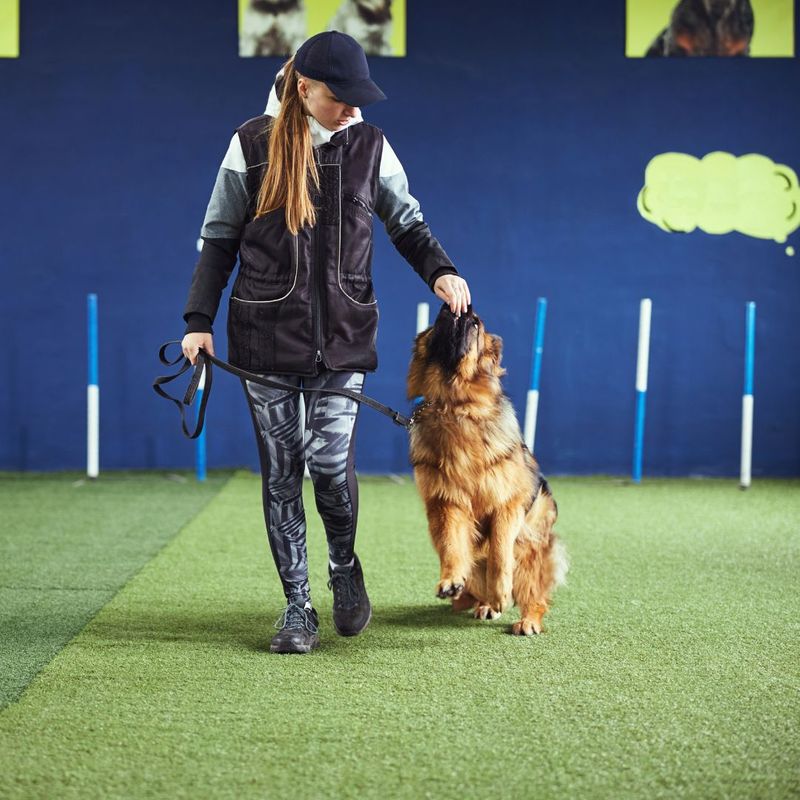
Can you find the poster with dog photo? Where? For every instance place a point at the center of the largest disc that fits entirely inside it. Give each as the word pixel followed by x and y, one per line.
pixel 679 28
pixel 279 27
pixel 9 28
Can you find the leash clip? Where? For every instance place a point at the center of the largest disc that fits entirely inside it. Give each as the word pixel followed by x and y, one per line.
pixel 404 422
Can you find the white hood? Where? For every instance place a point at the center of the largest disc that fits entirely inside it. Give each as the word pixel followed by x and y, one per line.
pixel 319 133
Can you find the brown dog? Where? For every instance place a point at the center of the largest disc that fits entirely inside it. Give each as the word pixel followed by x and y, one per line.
pixel 490 511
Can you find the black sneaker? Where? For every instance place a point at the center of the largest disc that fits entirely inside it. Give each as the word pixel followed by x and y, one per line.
pixel 298 631
pixel 351 609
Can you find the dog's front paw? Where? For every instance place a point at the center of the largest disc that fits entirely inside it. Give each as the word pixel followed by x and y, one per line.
pixel 448 588
pixel 486 612
pixel 526 627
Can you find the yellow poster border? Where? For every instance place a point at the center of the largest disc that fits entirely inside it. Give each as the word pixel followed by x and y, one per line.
pixel 9 28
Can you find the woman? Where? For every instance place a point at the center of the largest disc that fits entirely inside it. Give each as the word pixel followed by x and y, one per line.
pixel 294 198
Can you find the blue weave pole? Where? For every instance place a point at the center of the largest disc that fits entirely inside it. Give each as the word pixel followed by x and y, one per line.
pixel 200 441
pixel 746 461
pixel 642 365
pixel 750 346
pixel 638 436
pixel 532 399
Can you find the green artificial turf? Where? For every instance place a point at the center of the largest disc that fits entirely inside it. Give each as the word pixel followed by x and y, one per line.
pixel 670 666
pixel 67 545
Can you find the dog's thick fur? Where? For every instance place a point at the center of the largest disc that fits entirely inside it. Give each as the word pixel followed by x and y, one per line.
pixel 706 28
pixel 369 22
pixel 490 511
pixel 272 28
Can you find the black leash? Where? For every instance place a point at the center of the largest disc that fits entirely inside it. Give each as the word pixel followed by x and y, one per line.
pixel 205 360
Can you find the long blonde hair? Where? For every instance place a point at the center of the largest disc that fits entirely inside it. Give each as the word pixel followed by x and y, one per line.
pixel 291 169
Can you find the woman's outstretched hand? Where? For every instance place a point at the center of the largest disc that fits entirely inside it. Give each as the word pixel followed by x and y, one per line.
pixel 192 342
pixel 454 291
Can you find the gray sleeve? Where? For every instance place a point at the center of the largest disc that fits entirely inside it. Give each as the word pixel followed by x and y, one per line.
pixel 227 208
pixel 222 229
pixel 397 208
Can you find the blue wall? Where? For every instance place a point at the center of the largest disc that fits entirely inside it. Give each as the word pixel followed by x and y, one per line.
pixel 525 136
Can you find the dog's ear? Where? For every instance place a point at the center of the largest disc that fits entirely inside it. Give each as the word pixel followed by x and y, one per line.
pixel 492 355
pixel 419 363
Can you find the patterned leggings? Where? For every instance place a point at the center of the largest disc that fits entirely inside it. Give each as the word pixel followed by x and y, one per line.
pixel 327 448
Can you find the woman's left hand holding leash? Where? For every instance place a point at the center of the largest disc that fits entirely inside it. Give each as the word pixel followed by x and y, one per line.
pixel 454 291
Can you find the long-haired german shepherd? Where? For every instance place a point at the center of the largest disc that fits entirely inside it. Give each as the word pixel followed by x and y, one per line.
pixel 490 510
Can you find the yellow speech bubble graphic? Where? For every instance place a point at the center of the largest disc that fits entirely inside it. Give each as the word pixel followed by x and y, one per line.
pixel 721 193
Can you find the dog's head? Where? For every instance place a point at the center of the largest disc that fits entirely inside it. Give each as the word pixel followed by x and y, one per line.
pixel 451 356
pixel 711 28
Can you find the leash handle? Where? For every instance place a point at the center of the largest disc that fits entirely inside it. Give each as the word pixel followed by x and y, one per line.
pixel 194 383
pixel 191 390
pixel 205 360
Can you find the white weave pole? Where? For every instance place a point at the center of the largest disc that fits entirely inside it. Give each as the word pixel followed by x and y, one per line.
pixel 423 321
pixel 423 316
pixel 532 399
pixel 746 461
pixel 92 393
pixel 200 442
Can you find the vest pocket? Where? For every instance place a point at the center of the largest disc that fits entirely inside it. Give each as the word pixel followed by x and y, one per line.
pixel 357 287
pixel 355 265
pixel 268 260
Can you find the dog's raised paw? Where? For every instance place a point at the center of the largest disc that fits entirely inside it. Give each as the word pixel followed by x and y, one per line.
pixel 447 588
pixel 526 627
pixel 486 612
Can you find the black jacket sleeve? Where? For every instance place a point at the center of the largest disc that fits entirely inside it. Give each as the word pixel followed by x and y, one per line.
pixel 211 275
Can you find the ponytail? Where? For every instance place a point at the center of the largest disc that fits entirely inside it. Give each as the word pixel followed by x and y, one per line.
pixel 291 169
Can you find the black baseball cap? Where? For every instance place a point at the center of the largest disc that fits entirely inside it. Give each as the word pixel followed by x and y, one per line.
pixel 340 62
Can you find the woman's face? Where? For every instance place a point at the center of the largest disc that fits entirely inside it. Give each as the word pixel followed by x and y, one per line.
pixel 324 106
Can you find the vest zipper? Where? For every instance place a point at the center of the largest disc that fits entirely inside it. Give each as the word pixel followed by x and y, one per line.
pixel 318 360
pixel 355 200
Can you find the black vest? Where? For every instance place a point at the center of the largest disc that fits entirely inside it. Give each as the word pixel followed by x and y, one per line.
pixel 305 303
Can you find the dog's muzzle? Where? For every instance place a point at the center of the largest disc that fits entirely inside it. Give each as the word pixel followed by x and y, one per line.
pixel 452 337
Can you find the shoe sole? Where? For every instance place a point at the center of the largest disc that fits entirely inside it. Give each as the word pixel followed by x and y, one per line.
pixel 296 650
pixel 354 633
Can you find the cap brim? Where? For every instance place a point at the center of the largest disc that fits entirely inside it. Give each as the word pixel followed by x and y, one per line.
pixel 357 93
